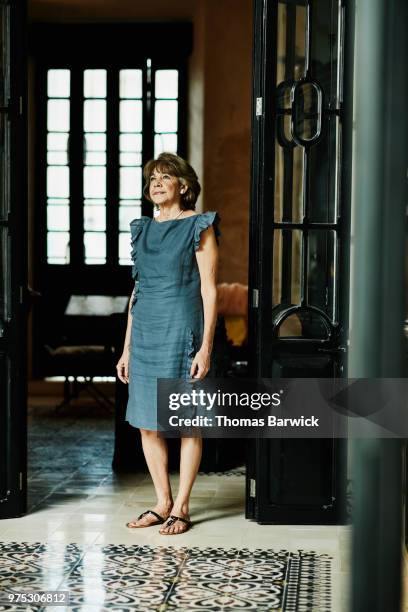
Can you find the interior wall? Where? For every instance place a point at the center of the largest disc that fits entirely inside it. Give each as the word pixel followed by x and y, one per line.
pixel 219 100
pixel 196 88
pixel 227 128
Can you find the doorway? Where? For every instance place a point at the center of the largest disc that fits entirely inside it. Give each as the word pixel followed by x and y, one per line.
pixel 299 243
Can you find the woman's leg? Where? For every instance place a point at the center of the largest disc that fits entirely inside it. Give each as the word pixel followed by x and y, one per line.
pixel 156 454
pixel 190 458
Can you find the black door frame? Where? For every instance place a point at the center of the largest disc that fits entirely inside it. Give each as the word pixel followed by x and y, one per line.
pixel 261 217
pixel 261 345
pixel 13 225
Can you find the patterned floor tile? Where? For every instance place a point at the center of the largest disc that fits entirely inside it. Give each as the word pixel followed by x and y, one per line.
pixel 200 595
pixel 23 547
pixel 308 583
pixel 131 592
pixel 212 568
pixel 14 608
pixel 119 608
pixel 35 563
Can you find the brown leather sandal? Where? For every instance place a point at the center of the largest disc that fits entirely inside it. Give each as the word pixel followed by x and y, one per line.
pixel 171 520
pixel 160 520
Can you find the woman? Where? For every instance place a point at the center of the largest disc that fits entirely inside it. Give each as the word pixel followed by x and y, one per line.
pixel 171 323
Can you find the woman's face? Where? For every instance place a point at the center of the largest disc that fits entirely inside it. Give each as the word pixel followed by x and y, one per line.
pixel 164 188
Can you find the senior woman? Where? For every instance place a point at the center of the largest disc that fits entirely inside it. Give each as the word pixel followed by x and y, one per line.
pixel 171 323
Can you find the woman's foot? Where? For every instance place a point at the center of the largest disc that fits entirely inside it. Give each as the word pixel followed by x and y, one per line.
pixel 148 519
pixel 172 526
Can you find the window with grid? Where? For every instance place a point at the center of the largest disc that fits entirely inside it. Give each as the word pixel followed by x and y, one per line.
pixel 120 117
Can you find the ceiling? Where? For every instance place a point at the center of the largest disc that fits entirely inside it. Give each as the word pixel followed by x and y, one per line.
pixel 63 11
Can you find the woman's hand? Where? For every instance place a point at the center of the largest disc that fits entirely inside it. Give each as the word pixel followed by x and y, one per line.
pixel 122 367
pixel 201 364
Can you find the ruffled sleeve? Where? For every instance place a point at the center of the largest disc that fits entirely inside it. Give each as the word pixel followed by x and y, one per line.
pixel 136 227
pixel 204 220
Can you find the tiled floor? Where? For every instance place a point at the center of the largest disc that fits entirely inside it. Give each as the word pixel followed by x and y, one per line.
pixel 130 577
pixel 75 538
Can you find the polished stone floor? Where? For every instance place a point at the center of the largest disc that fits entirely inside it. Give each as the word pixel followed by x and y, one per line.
pixel 74 537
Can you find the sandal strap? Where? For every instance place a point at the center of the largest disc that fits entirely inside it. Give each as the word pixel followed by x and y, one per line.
pixel 172 519
pixel 160 518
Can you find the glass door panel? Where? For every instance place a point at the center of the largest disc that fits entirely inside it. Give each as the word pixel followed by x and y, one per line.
pixel 130 155
pixel 324 161
pixel 288 267
pixel 307 153
pixel 94 170
pixel 58 170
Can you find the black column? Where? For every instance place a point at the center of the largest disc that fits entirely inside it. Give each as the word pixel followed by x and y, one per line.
pixel 377 296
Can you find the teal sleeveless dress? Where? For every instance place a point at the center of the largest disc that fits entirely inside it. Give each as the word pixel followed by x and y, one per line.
pixel 167 309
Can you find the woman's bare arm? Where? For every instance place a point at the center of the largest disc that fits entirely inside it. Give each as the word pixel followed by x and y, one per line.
pixel 122 366
pixel 207 260
pixel 129 323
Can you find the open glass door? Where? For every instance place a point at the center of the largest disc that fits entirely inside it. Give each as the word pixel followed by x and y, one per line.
pixel 298 241
pixel 13 259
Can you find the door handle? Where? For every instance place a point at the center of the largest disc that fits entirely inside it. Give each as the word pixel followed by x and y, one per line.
pixel 296 117
pixel 334 350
